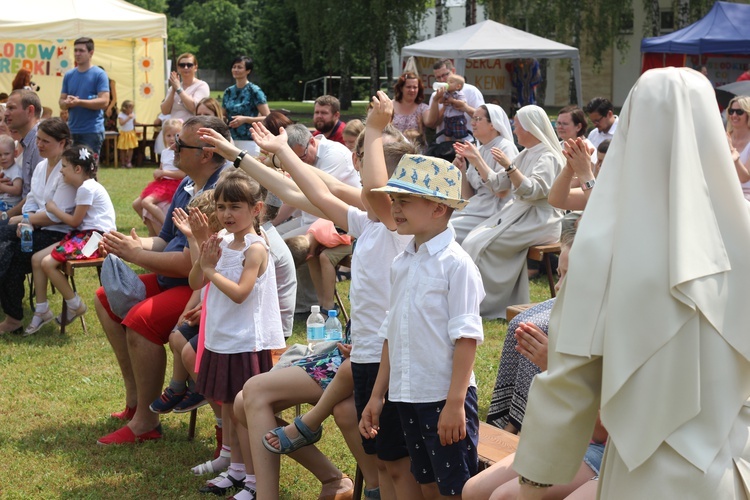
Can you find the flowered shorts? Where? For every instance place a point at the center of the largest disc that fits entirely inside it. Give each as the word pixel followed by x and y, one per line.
pixel 322 367
pixel 70 247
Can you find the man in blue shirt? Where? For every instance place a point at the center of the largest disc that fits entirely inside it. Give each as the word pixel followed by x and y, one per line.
pixel 139 337
pixel 85 94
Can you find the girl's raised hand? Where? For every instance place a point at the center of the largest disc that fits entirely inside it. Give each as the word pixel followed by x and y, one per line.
pixel 266 140
pixel 199 225
pixel 181 222
pixel 210 253
pixel 218 143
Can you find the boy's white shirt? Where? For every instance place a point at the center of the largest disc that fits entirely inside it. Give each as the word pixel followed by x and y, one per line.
pixel 435 296
pixel 374 252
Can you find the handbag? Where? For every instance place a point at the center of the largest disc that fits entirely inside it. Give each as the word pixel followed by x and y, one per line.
pixel 121 285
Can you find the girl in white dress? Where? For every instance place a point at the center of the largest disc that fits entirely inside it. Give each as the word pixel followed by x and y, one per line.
pixel 243 321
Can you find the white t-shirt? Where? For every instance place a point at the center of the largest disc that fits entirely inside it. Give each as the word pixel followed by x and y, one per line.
pixel 12 173
pixel 370 292
pixel 435 295
pixel 335 159
pixel 129 125
pixel 101 212
pixel 167 160
pixel 286 276
pixel 474 98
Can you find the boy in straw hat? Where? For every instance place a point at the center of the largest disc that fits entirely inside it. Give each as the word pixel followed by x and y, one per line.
pixel 434 308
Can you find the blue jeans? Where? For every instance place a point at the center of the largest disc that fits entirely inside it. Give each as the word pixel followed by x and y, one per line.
pixel 94 140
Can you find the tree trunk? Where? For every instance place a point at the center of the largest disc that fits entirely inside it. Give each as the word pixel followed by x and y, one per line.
pixel 439 17
pixel 541 89
pixel 681 13
pixel 578 23
pixel 652 24
pixel 345 87
pixel 374 69
pixel 471 12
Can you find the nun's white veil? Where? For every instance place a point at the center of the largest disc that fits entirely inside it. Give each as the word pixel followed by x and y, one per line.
pixel 535 120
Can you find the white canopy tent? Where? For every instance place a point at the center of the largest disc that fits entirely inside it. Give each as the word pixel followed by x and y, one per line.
pixel 130 44
pixel 492 40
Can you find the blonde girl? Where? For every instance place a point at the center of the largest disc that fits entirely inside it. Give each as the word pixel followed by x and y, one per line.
pixel 127 141
pixel 243 321
pixel 154 200
pixel 93 212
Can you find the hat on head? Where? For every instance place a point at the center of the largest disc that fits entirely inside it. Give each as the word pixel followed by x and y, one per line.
pixel 428 177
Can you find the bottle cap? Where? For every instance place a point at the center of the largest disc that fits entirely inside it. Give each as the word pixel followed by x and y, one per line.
pixel 315 309
pixel 332 313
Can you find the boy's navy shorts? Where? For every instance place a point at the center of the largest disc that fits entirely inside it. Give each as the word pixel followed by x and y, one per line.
pixel 450 466
pixel 188 331
pixel 389 445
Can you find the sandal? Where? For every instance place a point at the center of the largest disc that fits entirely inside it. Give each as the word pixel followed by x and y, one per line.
pixel 211 486
pixel 38 321
pixel 306 437
pixel 340 495
pixel 208 466
pixel 71 315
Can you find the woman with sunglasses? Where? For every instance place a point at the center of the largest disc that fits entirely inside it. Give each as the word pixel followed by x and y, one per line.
pixel 738 132
pixel 185 90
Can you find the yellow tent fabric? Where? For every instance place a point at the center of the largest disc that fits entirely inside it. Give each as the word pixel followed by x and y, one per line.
pixel 130 44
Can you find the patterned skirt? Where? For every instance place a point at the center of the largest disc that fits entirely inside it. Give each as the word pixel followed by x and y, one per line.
pixel 70 247
pixel 515 373
pixel 322 367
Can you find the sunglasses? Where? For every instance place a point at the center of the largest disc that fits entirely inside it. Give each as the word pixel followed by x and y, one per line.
pixel 735 111
pixel 178 145
pixel 186 65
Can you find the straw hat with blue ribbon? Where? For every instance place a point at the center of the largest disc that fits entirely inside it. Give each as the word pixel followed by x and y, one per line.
pixel 427 177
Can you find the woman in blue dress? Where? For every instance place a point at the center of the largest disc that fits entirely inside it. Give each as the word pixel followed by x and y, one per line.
pixel 244 103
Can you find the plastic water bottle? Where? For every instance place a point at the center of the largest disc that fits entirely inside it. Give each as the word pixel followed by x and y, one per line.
pixel 333 326
pixel 27 234
pixel 316 326
pixel 439 85
pixel 3 210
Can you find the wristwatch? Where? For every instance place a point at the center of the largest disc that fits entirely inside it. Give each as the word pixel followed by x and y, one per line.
pixel 510 168
pixel 588 184
pixel 179 90
pixel 523 480
pixel 239 158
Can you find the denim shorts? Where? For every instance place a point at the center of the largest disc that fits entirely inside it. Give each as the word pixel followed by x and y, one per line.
pixel 593 456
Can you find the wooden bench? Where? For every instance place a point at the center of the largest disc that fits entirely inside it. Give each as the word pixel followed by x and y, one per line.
pixel 513 311
pixel 69 269
pixel 494 444
pixel 543 254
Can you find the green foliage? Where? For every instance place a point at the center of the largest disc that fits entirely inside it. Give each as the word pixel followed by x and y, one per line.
pixel 278 57
pixel 591 25
pixel 159 6
pixel 218 30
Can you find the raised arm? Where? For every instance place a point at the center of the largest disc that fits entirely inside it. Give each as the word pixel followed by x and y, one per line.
pixel 311 185
pixel 374 172
pixel 274 181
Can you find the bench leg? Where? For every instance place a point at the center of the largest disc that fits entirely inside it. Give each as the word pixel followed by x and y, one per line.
pixel 191 427
pixel 547 260
pixel 359 481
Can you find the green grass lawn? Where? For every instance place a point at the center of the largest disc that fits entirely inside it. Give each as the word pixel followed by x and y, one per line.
pixel 56 394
